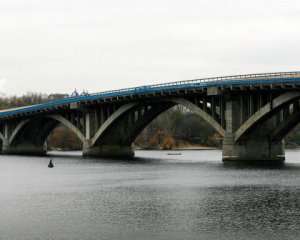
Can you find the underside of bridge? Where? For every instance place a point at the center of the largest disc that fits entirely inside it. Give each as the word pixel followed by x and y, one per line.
pixel 256 125
pixel 252 122
pixel 115 137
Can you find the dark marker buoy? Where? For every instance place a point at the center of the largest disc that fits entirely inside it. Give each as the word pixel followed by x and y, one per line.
pixel 50 165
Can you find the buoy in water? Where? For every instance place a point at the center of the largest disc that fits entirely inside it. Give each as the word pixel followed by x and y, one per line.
pixel 50 165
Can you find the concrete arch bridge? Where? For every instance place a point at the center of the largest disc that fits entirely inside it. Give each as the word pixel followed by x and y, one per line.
pixel 253 113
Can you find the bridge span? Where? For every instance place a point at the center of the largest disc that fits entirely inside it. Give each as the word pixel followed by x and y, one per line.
pixel 253 113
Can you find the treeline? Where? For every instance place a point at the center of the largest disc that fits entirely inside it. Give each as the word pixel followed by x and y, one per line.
pixel 30 98
pixel 63 138
pixel 177 127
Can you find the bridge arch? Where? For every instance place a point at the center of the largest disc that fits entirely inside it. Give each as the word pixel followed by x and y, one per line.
pixel 204 115
pixel 146 120
pixel 29 135
pixel 287 125
pixel 112 120
pixel 44 127
pixel 125 124
pixel 69 125
pixel 2 138
pixel 143 122
pixel 31 130
pixel 119 129
pixel 17 130
pixel 264 115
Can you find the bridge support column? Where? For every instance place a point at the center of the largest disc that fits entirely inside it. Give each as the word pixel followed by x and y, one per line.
pixel 252 150
pixel 257 147
pixel 24 149
pixel 111 151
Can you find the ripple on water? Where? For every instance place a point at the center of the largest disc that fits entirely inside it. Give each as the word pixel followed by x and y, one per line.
pixel 155 196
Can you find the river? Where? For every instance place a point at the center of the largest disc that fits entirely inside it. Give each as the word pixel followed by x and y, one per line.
pixel 154 196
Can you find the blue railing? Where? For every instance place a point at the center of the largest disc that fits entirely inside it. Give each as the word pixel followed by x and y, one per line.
pixel 196 83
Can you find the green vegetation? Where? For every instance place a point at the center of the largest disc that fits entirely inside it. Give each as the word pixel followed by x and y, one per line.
pixel 64 139
pixel 30 98
pixel 177 127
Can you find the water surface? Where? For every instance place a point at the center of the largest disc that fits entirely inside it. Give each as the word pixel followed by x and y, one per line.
pixel 154 196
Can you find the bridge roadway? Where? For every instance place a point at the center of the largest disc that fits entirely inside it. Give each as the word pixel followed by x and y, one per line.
pixel 253 113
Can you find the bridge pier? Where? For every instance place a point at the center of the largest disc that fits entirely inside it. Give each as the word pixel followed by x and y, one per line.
pixel 111 151
pixel 252 114
pixel 252 150
pixel 257 146
pixel 24 149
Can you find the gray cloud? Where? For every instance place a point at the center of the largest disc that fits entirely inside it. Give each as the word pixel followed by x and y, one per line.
pixel 55 46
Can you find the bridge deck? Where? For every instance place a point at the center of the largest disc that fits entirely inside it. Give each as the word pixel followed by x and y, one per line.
pixel 250 79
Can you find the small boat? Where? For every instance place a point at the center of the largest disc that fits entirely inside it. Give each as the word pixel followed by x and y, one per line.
pixel 50 165
pixel 173 153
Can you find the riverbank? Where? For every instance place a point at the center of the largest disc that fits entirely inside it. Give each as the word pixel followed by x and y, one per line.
pixel 182 147
pixel 179 148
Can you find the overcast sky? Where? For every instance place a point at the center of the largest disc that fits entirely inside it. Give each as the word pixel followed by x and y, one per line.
pixel 58 45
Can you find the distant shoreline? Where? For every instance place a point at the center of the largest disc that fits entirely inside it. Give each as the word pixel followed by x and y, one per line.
pixel 184 148
pixel 181 148
pixel 144 149
pixel 196 148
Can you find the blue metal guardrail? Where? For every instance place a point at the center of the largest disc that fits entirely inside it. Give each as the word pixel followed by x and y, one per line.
pixel 278 77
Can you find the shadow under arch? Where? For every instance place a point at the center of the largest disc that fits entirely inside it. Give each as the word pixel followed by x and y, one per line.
pixel 31 134
pixel 119 132
pixel 264 114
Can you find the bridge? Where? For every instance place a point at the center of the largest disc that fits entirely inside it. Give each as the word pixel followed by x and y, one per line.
pixel 253 113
